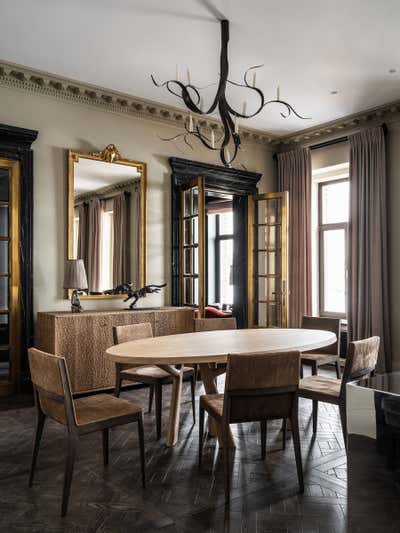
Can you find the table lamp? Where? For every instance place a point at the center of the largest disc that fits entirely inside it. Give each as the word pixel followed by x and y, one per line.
pixel 75 278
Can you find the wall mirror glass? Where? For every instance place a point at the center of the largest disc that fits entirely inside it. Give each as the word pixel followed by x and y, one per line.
pixel 107 219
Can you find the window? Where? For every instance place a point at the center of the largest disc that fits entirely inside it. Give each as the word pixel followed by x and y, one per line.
pixel 333 219
pixel 224 258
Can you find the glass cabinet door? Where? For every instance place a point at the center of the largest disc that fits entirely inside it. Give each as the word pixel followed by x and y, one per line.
pixel 9 275
pixel 267 260
pixel 192 245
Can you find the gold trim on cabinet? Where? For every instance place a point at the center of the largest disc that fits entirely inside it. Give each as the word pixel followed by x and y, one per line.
pixel 110 154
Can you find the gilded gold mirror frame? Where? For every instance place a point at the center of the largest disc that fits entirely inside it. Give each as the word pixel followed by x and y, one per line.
pixel 110 154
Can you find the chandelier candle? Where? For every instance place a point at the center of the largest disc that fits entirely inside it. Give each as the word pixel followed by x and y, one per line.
pixel 229 117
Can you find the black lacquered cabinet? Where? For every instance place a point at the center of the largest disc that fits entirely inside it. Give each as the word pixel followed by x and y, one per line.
pixel 16 284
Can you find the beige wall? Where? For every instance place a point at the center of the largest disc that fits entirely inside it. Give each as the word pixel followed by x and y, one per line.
pixel 64 125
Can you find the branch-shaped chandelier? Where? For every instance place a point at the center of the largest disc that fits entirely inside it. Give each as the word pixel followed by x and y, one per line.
pixel 229 142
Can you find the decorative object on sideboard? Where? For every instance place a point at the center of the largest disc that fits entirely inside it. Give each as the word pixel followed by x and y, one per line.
pixel 75 278
pixel 127 288
pixel 191 96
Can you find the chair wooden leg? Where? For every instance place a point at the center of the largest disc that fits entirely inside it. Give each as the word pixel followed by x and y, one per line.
pixel 297 448
pixel 41 417
pixel 301 370
pixel 284 433
pixel 343 419
pixel 141 445
pixel 193 395
pixel 106 433
pixel 118 380
pixel 225 455
pixel 69 468
pixel 314 368
pixel 315 416
pixel 263 427
pixel 337 365
pixel 201 433
pixel 151 395
pixel 158 396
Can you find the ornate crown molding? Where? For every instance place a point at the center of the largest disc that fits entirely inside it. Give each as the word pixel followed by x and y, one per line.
pixel 35 81
pixel 388 113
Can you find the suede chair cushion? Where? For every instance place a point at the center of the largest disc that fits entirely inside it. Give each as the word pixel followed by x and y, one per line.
pixel 322 357
pixel 91 409
pixel 213 404
pixel 152 372
pixel 320 385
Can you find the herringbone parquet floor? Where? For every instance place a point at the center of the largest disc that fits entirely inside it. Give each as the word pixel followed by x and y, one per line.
pixel 179 497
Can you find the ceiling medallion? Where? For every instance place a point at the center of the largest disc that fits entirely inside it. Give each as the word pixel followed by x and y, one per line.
pixel 229 142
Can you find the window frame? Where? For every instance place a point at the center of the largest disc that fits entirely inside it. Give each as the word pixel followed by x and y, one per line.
pixel 322 228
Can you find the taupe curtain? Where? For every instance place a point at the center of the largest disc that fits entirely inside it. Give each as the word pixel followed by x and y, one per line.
pixel 294 175
pixel 368 299
pixel 82 233
pixel 94 245
pixel 121 256
pixel 135 220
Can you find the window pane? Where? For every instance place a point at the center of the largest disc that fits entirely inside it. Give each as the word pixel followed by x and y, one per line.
pixel 334 258
pixel 4 192
pixel 226 283
pixel 3 220
pixel 335 202
pixel 226 223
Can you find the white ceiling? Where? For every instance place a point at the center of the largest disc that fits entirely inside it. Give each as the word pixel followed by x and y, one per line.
pixel 309 48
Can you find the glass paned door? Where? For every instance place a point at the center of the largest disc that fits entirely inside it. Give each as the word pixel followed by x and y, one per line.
pixel 9 275
pixel 192 245
pixel 267 260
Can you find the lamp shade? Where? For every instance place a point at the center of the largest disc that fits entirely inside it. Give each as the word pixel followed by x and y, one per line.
pixel 75 275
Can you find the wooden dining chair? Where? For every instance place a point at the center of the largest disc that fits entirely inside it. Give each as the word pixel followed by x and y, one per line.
pixel 258 387
pixel 214 324
pixel 328 354
pixel 153 376
pixel 53 399
pixel 360 363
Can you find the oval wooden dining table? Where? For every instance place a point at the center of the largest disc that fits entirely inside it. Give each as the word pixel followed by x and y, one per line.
pixel 172 351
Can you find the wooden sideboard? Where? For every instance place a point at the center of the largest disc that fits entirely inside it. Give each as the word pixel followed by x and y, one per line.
pixel 82 339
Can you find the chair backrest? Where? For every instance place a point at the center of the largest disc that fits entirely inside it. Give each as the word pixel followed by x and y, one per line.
pixel 214 324
pixel 261 385
pixel 361 360
pixel 52 386
pixel 132 332
pixel 326 324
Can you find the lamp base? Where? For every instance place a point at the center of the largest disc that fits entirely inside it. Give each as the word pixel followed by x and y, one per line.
pixel 76 306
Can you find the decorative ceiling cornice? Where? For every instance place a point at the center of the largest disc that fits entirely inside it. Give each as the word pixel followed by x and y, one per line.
pixel 35 81
pixel 388 113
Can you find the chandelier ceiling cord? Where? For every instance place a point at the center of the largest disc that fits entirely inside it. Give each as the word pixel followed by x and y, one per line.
pixel 190 94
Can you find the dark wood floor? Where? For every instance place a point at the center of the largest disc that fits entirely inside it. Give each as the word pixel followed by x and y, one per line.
pixel 178 497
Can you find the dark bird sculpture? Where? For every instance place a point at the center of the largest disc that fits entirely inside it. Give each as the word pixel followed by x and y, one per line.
pixel 127 288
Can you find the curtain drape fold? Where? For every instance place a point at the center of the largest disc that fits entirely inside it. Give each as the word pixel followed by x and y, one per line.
pixel 294 175
pixel 82 233
pixel 121 257
pixel 368 298
pixel 94 245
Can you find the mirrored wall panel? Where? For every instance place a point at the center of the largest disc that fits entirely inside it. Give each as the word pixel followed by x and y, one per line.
pixel 107 219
